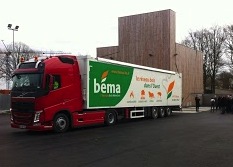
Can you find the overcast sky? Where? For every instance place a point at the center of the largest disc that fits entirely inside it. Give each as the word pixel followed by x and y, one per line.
pixel 80 26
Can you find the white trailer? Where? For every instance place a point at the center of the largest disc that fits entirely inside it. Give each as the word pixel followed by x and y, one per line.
pixel 143 90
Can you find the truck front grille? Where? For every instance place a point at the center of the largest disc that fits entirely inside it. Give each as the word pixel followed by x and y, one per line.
pixel 23 106
pixel 23 118
pixel 23 112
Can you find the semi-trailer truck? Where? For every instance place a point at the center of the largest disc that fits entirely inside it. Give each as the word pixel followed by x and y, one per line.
pixel 66 91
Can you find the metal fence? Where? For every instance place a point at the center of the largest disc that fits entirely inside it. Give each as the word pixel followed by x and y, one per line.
pixel 5 101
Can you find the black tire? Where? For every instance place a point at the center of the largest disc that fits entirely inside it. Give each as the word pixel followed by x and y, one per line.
pixel 154 112
pixel 168 112
pixel 61 123
pixel 110 117
pixel 161 112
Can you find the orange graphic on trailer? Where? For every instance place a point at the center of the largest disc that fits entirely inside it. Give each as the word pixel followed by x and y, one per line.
pixel 143 94
pixel 170 88
pixel 159 94
pixel 131 95
pixel 151 95
pixel 104 76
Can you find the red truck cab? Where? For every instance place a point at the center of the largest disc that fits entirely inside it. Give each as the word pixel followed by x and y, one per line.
pixel 46 94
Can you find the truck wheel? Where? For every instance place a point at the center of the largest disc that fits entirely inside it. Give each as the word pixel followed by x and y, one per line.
pixel 168 112
pixel 110 117
pixel 161 112
pixel 60 123
pixel 154 112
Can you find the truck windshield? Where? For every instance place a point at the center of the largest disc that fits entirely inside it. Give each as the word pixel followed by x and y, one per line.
pixel 30 82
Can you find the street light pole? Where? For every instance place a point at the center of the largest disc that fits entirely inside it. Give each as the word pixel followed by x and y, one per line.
pixel 13 29
pixel 13 52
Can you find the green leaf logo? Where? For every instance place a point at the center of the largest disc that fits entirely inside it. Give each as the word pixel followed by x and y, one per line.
pixel 169 95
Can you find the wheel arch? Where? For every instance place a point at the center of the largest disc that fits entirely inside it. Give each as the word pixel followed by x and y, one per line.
pixel 67 113
pixel 111 110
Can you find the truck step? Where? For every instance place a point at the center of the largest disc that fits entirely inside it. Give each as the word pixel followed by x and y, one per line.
pixel 137 114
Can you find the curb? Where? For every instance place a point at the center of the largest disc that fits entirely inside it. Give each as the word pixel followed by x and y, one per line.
pixel 4 112
pixel 192 110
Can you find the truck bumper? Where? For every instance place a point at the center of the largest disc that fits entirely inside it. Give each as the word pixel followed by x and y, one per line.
pixel 35 127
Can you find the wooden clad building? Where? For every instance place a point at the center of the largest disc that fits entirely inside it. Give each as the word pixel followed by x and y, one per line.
pixel 149 39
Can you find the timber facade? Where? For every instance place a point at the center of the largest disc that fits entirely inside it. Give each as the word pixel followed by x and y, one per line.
pixel 149 39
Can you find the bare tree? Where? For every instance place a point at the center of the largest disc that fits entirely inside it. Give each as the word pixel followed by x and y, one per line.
pixel 2 55
pixel 224 79
pixel 217 38
pixel 210 43
pixel 229 45
pixel 9 62
pixel 4 63
pixel 21 50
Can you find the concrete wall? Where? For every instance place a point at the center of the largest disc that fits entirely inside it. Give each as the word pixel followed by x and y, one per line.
pixel 5 102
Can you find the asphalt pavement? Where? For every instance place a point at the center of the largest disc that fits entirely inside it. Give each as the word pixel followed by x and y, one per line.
pixel 202 139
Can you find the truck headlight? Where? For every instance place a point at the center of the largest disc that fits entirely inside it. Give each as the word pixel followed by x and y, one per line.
pixel 37 116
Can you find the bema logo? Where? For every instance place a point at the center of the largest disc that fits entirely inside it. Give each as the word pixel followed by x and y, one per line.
pixel 106 88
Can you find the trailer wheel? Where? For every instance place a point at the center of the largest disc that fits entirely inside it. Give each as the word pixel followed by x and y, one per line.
pixel 168 112
pixel 161 112
pixel 110 117
pixel 60 123
pixel 154 112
